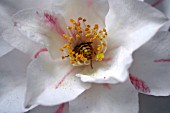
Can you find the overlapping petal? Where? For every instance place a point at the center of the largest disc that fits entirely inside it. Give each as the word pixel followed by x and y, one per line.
pixel 52 82
pixel 20 42
pixel 13 82
pixel 63 108
pixel 93 10
pixel 133 24
pixel 151 64
pixel 113 68
pixel 119 98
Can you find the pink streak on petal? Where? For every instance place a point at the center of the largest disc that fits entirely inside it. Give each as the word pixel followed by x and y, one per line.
pixel 41 50
pixel 139 84
pixel 60 109
pixel 54 21
pixel 89 3
pixel 107 86
pixel 62 80
pixel 156 3
pixel 162 60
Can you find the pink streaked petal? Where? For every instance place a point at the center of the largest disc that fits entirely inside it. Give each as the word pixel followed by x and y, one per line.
pixel 54 22
pixel 107 86
pixel 45 28
pixel 139 84
pixel 90 3
pixel 60 109
pixel 54 81
pixel 162 60
pixel 40 51
pixel 151 64
pixel 62 80
pixel 156 3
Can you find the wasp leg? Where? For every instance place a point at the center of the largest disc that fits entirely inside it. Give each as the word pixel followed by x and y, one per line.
pixel 91 63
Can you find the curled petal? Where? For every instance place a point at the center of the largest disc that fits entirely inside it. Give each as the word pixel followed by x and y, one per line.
pixel 133 24
pixel 113 68
pixel 151 65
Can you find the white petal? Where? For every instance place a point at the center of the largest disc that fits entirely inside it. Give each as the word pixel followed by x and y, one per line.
pixel 133 24
pixel 4 23
pixel 4 47
pixel 121 98
pixel 17 40
pixel 13 82
pixel 151 66
pixel 52 82
pixel 113 69
pixel 63 108
pixel 93 10
pixel 42 27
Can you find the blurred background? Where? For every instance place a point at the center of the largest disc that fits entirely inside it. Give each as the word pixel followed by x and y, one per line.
pixel 148 104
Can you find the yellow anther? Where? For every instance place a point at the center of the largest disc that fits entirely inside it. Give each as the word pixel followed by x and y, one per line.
pixel 99 48
pixel 96 26
pixel 95 33
pixel 63 57
pixel 84 20
pixel 77 36
pixel 104 44
pixel 88 32
pixel 80 32
pixel 104 30
pixel 79 18
pixel 88 26
pixel 69 27
pixel 65 46
pixel 87 35
pixel 97 36
pixel 68 46
pixel 72 61
pixel 86 29
pixel 61 49
pixel 78 24
pixel 75 28
pixel 71 38
pixel 65 36
pixel 72 21
pixel 91 39
pixel 79 28
pixel 100 31
pixel 105 33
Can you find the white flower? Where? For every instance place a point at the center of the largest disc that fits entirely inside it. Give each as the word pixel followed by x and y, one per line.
pixel 107 54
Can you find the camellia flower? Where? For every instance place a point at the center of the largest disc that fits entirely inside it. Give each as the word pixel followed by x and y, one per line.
pixel 87 43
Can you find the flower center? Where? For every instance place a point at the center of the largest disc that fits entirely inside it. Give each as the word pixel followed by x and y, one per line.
pixel 84 43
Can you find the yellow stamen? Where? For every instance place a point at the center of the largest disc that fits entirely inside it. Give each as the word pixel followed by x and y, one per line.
pixel 77 36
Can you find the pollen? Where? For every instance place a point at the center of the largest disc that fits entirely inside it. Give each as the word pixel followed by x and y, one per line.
pixel 85 43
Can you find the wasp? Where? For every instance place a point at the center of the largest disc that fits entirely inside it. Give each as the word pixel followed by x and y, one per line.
pixel 86 50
